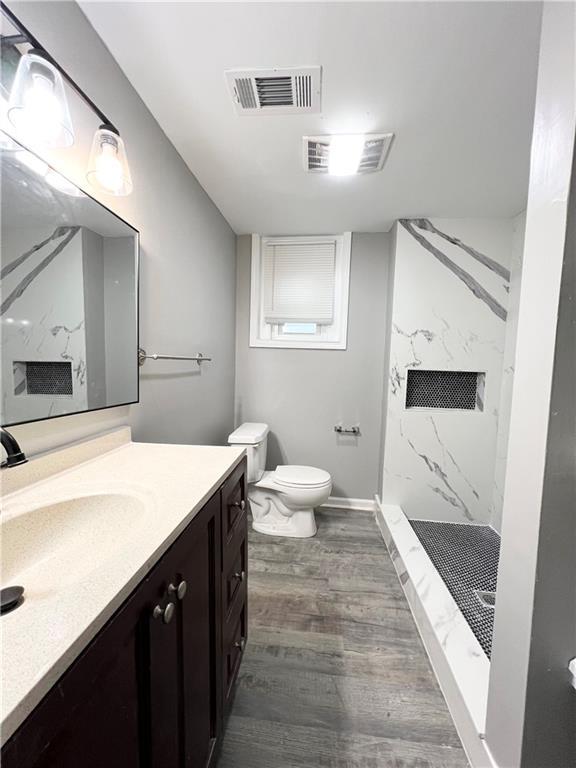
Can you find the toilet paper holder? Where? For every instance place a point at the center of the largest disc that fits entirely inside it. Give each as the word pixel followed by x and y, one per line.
pixel 355 430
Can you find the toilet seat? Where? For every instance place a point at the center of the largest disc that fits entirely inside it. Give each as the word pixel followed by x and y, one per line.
pixel 296 476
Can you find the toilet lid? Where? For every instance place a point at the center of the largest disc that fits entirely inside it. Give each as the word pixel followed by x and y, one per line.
pixel 308 477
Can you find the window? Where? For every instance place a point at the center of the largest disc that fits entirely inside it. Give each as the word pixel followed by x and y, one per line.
pixel 299 296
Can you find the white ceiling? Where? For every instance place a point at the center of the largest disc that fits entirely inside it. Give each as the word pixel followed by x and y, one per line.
pixel 454 81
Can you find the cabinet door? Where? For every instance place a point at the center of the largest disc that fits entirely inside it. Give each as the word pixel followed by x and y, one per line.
pixel 162 670
pixel 198 565
pixel 96 715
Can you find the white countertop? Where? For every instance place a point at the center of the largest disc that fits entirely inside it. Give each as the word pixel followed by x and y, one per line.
pixel 168 484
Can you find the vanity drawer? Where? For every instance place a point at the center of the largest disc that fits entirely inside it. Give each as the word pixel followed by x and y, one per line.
pixel 235 577
pixel 235 636
pixel 234 513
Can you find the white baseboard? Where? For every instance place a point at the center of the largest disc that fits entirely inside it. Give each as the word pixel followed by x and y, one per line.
pixel 356 505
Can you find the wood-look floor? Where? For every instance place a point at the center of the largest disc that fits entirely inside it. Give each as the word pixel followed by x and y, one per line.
pixel 335 674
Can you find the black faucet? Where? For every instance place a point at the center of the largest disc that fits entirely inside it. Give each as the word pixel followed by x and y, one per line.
pixel 14 454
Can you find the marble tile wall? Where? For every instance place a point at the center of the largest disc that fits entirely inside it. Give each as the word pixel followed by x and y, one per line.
pixel 38 265
pixel 450 300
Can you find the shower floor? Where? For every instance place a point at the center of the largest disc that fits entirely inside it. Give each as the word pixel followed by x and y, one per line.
pixel 466 557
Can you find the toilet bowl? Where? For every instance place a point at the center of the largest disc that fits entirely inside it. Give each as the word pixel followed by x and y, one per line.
pixel 282 501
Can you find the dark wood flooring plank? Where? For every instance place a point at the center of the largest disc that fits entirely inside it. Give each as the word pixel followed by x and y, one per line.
pixel 335 675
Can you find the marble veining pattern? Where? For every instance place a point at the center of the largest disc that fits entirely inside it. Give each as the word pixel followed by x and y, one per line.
pixel 67 235
pixel 474 285
pixel 439 463
pixel 36 329
pixel 441 623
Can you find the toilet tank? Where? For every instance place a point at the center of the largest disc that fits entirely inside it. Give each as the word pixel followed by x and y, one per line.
pixel 254 437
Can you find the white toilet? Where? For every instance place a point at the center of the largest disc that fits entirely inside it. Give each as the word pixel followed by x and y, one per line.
pixel 282 501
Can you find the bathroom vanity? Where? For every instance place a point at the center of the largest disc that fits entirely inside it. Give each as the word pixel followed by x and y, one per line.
pixel 125 655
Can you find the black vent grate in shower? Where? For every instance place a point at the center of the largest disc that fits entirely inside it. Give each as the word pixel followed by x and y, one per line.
pixel 442 389
pixel 48 378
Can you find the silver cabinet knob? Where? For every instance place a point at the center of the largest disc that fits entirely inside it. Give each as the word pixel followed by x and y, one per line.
pixel 240 575
pixel 240 644
pixel 179 591
pixel 165 614
pixel 240 504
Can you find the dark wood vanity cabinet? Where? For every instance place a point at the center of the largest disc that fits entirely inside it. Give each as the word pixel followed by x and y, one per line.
pixel 153 688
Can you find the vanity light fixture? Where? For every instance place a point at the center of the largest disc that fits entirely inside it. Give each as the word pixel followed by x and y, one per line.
pixel 38 111
pixel 108 167
pixel 37 107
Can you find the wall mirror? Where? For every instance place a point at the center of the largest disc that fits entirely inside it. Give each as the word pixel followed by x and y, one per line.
pixel 69 295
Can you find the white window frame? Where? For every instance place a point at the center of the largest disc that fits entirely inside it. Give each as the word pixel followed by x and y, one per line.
pixel 334 336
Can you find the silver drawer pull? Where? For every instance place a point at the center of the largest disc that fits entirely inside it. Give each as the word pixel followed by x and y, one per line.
pixel 241 644
pixel 240 504
pixel 240 575
pixel 165 614
pixel 179 591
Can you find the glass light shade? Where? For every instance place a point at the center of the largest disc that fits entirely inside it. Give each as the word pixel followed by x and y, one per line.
pixel 108 168
pixel 37 107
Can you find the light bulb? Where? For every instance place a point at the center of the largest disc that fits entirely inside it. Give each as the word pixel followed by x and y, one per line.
pixel 108 168
pixel 345 154
pixel 41 114
pixel 37 107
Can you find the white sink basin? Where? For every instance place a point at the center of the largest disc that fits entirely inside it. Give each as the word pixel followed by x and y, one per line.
pixel 60 543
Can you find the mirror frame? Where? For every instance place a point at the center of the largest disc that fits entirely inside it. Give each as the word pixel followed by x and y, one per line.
pixel 137 294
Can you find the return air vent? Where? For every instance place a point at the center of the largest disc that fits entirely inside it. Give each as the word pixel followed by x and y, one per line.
pixel 317 152
pixel 275 91
pixel 456 390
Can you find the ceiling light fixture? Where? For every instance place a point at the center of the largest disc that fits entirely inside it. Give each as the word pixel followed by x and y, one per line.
pixel 345 154
pixel 38 111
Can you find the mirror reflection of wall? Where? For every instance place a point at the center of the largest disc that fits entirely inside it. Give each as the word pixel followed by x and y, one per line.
pixel 68 288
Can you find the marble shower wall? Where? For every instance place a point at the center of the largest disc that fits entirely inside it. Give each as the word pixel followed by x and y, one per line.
pixel 449 312
pixel 37 266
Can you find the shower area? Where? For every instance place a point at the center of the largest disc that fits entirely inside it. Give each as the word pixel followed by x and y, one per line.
pixel 453 307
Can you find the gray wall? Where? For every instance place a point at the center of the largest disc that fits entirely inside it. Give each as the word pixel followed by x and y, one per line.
pixel 302 394
pixel 120 334
pixel 94 314
pixel 187 252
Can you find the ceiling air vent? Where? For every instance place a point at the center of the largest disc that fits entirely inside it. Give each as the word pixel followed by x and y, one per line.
pixel 317 152
pixel 275 91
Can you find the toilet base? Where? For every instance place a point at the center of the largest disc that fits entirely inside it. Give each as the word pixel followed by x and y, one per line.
pixel 300 525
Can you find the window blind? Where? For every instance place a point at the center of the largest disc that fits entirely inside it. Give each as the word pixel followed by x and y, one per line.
pixel 298 282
